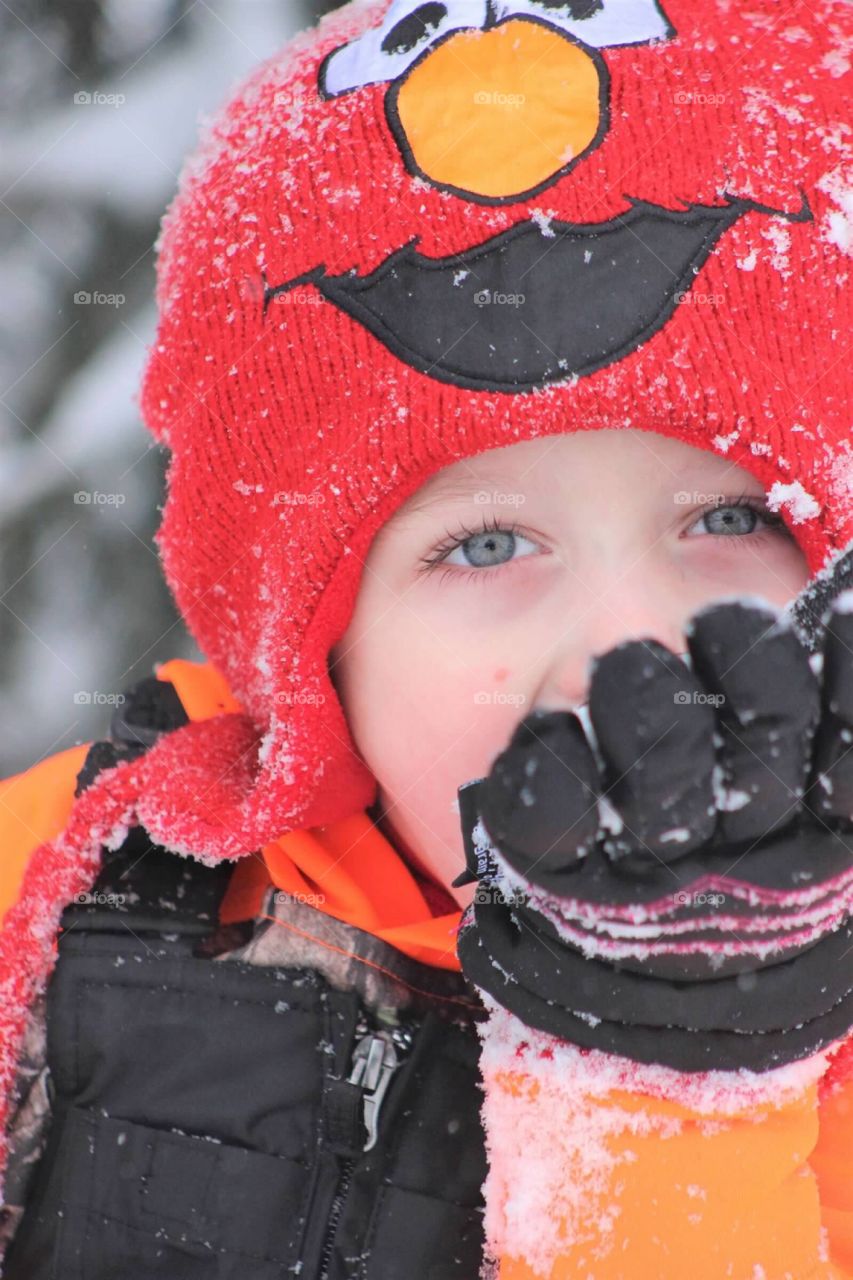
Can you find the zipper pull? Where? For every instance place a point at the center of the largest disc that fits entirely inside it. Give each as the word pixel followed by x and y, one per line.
pixel 375 1059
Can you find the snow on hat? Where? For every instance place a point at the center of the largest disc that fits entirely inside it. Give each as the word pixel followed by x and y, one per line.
pixel 424 230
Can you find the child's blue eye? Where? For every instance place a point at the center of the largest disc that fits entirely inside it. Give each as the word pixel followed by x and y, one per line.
pixel 731 520
pixel 736 518
pixel 487 548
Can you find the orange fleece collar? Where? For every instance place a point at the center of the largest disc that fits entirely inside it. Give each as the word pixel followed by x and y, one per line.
pixel 347 869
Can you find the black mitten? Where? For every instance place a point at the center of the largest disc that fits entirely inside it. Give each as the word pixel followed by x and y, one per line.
pixel 673 881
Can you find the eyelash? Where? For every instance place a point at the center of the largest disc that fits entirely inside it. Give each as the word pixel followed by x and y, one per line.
pixel 493 524
pixel 772 519
pixel 489 525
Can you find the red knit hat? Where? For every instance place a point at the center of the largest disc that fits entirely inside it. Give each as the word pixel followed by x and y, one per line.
pixel 426 230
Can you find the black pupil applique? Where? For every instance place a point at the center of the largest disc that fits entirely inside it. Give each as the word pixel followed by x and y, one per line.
pixel 408 33
pixel 575 9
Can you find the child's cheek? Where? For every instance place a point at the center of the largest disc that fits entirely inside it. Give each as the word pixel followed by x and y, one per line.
pixel 491 704
pixel 774 567
pixel 459 718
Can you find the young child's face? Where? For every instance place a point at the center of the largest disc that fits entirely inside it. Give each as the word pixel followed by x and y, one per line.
pixel 490 589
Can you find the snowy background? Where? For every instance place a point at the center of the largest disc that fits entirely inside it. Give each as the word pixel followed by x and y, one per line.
pixel 100 102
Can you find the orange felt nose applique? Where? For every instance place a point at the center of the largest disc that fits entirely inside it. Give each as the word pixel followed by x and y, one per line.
pixel 498 112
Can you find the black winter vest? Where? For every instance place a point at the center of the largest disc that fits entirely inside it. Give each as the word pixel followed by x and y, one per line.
pixel 219 1120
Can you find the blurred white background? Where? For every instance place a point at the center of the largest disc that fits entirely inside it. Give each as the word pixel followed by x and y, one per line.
pixel 100 102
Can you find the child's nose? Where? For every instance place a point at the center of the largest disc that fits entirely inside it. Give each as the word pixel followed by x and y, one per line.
pixel 499 112
pixel 565 685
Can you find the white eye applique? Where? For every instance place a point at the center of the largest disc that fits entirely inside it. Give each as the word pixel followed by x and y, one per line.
pixel 409 28
pixel 385 52
pixel 598 23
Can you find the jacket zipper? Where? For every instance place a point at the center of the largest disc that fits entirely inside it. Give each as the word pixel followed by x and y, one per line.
pixel 375 1057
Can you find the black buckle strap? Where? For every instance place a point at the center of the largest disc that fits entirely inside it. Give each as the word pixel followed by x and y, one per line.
pixel 142 883
pixel 148 887
pixel 148 709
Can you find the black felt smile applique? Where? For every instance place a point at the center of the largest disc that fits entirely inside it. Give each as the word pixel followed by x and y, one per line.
pixel 535 305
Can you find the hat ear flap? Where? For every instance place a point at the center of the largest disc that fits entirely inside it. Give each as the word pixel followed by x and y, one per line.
pixel 811 607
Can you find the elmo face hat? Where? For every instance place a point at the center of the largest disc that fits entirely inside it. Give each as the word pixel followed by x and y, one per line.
pixel 428 230
pixel 498 103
